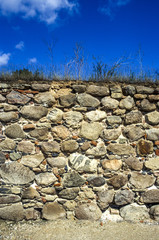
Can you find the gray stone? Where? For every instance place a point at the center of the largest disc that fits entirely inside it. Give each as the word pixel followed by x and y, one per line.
pixel 59 162
pixel 30 193
pixel 118 181
pixel 110 134
pixel 17 98
pixel 69 146
pixel 68 100
pixel 147 106
pixel 154 212
pixel 109 103
pixel 60 132
pixel 151 196
pixel 133 117
pixel 88 212
pixel 14 131
pixel 134 212
pixel 133 133
pixel 127 103
pixel 46 99
pixel 96 181
pixel 96 115
pixel 2 99
pixel 49 147
pixel 100 91
pixel 7 144
pixel 53 211
pixel 45 179
pixel 8 116
pixel 55 115
pixel 73 118
pixel 34 112
pixel 86 100
pixel 2 158
pixel 123 197
pixel 104 198
pixel 129 90
pixel 134 163
pixel 144 90
pixel 152 118
pixel 79 88
pixel 152 163
pixel 13 212
pixel 91 131
pixel 14 156
pixel 69 193
pixel 40 86
pixel 72 179
pixel 25 147
pixel 98 151
pixel 8 108
pixel 144 147
pixel 113 120
pixel 152 134
pixel 81 163
pixel 32 161
pixel 11 198
pixel 39 133
pixel 140 181
pixel 115 89
pixel 120 149
pixel 112 165
pixel 16 173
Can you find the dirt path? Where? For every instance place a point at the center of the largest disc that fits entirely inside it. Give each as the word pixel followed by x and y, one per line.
pixel 77 230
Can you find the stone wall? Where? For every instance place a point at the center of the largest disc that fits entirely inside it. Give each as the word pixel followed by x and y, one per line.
pixel 79 150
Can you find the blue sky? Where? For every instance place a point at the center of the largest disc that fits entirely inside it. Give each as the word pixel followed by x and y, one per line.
pixel 107 29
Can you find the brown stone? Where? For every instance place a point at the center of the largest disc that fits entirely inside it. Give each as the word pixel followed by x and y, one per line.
pixel 118 181
pixel 17 98
pixel 89 211
pixel 144 147
pixel 39 133
pixel 60 131
pixel 25 147
pixel 52 146
pixel 53 211
pixel 153 97
pixel 113 165
pixel 151 196
pixel 140 181
pixel 69 146
pixel 29 127
pixel 134 163
pixel 68 100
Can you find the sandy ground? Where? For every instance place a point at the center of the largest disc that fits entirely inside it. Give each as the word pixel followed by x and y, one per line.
pixel 78 230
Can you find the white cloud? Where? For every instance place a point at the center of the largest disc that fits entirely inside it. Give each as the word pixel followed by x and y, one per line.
pixel 45 10
pixel 32 60
pixel 20 45
pixel 4 58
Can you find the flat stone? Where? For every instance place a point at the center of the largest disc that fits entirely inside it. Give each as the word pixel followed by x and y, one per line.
pixel 112 165
pixel 17 98
pixel 118 181
pixel 26 147
pixel 60 132
pixel 151 196
pixel 86 100
pixel 133 133
pixel 115 88
pixel 72 179
pixel 116 95
pixel 59 162
pixel 140 181
pixel 133 117
pixel 7 145
pixel 98 151
pixel 45 179
pixel 110 134
pixel 8 108
pixel 55 115
pixel 8 116
pixel 49 147
pixel 81 163
pixel 140 96
pixel 13 212
pixel 152 134
pixel 34 112
pixel 123 197
pixel 30 193
pixel 152 118
pixel 69 146
pixel 14 131
pixel 147 106
pixel 11 198
pixel 134 163
pixel 144 147
pixel 129 90
pixel 53 211
pixel 96 181
pixel 2 98
pixel 39 133
pixel 73 118
pixel 32 161
pixel 154 212
pixel 16 173
pixel 134 212
pixel 144 90
pixel 109 103
pixel 79 88
pixel 68 100
pixel 96 115
pixel 69 193
pixel 120 149
pixel 91 131
pixel 153 97
pixel 48 190
pixel 100 91
pixel 104 198
pixel 14 156
pixel 40 86
pixel 113 120
pixel 88 211
pixel 152 163
pixel 46 99
pixel 127 103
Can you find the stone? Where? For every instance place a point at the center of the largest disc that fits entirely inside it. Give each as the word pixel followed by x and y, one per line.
pixel 99 91
pixel 73 118
pixel 2 158
pixel 110 134
pixel 62 91
pixel 70 205
pixel 133 133
pixel 88 211
pixel 39 133
pixel 140 181
pixel 28 127
pixel 48 190
pixel 60 132
pixel 69 146
pixel 14 156
pixel 115 88
pixel 112 165
pixel 150 196
pixel 152 134
pixel 133 117
pixel 104 198
pixel 96 181
pixel 127 103
pixel 51 146
pixel 2 98
pixel 53 211
pixel 32 161
pixel 134 163
pixel 118 181
pixel 68 100
pixel 14 131
pixel 26 147
pixel 86 100
pixel 7 145
pixel 152 118
pixel 59 162
pixel 154 212
pixel 8 108
pixel 140 96
pixel 82 164
pixel 98 151
pixel 30 193
pixel 31 214
pixel 116 95
pixel 40 87
pixel 134 212
pixel 124 197
pixel 15 97
pixel 11 198
pixel 144 147
pixel 13 212
pixel 72 179
pixel 46 99
pixel 153 97
pixel 95 116
pixel 55 115
pixel 147 106
pixel 34 112
pixel 16 173
pixel 152 163
pixel 113 120
pixel 79 88
pixel 129 90
pixel 109 103
pixel 91 131
pixel 45 179
pixel 8 116
pixel 69 193
pixel 144 90
pixel 119 111
pixel 120 149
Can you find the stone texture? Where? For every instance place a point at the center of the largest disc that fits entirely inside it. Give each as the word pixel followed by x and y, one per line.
pixel 96 181
pixel 32 161
pixel 73 118
pixel 147 106
pixel 13 212
pixel 133 133
pixel 45 179
pixel 120 149
pixel 133 117
pixel 151 196
pixel 69 146
pixel 79 88
pixel 34 112
pixel 98 151
pixel 112 165
pixel 152 163
pixel 25 147
pixel 16 173
pixel 60 132
pixel 109 103
pixel 154 212
pixel 140 181
pixel 110 134
pixel 55 115
pixel 152 134
pixel 88 212
pixel 86 100
pixel 134 163
pixel 118 181
pixel 69 193
pixel 2 98
pixel 53 211
pixel 17 98
pixel 14 156
pixel 127 103
pixel 51 146
pixel 113 120
pixel 72 179
pixel 100 91
pixel 91 131
pixel 144 147
pixel 30 193
pixel 95 116
pixel 11 198
pixel 14 131
pixel 7 145
pixel 40 87
pixel 68 100
pixel 104 198
pixel 8 108
pixel 123 197
pixel 46 99
pixel 59 162
pixel 152 118
pixel 129 90
pixel 39 133
pixel 2 158
pixel 8 116
pixel 144 90
pixel 81 163
pixel 140 96
pixel 153 97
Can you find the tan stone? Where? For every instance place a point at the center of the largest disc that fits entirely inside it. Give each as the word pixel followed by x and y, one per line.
pixel 61 132
pixel 113 165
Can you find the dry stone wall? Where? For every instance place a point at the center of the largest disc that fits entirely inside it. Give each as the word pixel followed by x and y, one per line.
pixel 79 150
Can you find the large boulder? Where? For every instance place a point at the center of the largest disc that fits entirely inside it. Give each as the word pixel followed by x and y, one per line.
pixel 86 100
pixel 88 212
